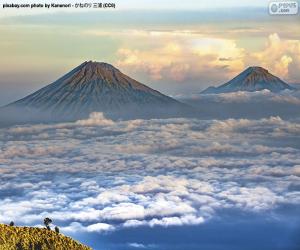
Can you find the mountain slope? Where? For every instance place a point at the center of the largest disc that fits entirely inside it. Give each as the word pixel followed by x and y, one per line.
pixel 251 79
pixel 27 238
pixel 94 86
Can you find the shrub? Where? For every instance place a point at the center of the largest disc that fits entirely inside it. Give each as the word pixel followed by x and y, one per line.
pixel 47 222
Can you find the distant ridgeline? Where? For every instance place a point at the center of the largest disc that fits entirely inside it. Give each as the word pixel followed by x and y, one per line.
pixel 31 238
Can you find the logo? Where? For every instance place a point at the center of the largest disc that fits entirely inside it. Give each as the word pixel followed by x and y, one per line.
pixel 283 8
pixel 274 8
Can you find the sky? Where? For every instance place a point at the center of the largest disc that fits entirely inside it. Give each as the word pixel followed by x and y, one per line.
pixel 175 48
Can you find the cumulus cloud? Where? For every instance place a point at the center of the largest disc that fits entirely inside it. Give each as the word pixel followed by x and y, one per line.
pixel 97 227
pixel 282 57
pixel 181 60
pixel 95 119
pixel 190 57
pixel 97 175
pixel 166 221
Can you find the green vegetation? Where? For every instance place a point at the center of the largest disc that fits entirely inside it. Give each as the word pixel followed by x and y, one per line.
pixel 31 238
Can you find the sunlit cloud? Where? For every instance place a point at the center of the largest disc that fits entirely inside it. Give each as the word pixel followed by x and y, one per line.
pixel 181 60
pixel 282 57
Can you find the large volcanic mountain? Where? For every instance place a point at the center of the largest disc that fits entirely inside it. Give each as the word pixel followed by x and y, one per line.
pixel 251 79
pixel 95 86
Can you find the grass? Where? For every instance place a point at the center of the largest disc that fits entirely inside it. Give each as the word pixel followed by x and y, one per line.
pixel 32 238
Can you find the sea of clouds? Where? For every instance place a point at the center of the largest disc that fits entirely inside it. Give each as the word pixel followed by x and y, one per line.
pixel 100 176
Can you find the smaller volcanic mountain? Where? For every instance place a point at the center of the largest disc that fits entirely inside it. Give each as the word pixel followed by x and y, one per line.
pixel 99 87
pixel 251 79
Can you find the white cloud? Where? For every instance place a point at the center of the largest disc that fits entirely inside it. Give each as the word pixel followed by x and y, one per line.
pixel 258 198
pixel 137 245
pixel 78 227
pixel 176 221
pixel 95 119
pixel 99 227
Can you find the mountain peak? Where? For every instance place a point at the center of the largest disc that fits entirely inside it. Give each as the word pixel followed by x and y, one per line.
pixel 254 75
pixel 253 78
pixel 99 87
pixel 90 71
pixel 93 65
pixel 256 69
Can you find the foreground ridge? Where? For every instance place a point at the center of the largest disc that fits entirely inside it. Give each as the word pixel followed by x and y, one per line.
pixel 32 238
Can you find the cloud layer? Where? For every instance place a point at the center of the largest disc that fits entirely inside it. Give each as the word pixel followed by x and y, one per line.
pixel 98 175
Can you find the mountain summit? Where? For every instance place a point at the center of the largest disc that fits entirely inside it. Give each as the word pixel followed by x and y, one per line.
pixel 251 79
pixel 98 87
